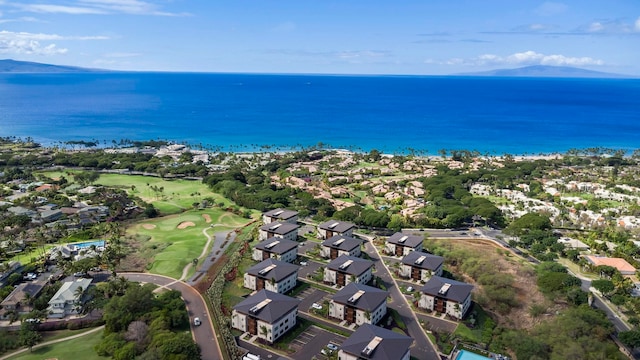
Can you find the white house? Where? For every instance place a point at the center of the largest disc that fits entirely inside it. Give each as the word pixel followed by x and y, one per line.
pixel 273 275
pixel 280 215
pixel 340 245
pixel 280 230
pixel 375 343
pixel 266 314
pixel 421 266
pixel 446 296
pixel 345 269
pixel 334 227
pixel 359 304
pixel 68 298
pixel 279 249
pixel 400 244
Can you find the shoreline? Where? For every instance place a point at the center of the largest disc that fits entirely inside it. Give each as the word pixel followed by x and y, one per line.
pixel 448 154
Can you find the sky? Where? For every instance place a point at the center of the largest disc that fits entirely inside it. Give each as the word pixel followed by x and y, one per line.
pixel 419 37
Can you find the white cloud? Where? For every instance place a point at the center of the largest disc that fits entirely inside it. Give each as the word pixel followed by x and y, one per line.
pixel 9 35
pixel 88 7
pixel 549 8
pixel 30 47
pixel 59 9
pixel 637 24
pixel 30 43
pixel 525 58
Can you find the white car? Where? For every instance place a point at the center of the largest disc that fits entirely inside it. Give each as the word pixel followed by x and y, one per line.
pixel 410 289
pixel 316 306
pixel 196 321
pixel 303 263
pixel 333 347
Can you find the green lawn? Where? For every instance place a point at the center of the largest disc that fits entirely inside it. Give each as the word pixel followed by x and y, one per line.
pixel 66 350
pixel 176 196
pixel 183 245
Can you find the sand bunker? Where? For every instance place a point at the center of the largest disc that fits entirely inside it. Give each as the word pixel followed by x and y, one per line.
pixel 148 226
pixel 207 218
pixel 185 224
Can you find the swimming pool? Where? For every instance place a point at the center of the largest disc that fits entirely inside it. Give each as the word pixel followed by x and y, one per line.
pixel 468 355
pixel 88 244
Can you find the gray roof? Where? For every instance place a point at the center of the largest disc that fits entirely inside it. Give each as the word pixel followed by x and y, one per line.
pixel 348 244
pixel 405 240
pixel 458 291
pixel 279 306
pixel 281 271
pixel 429 262
pixel 282 214
pixel 369 301
pixel 357 266
pixel 280 248
pixel 392 347
pixel 340 226
pixel 280 228
pixel 20 293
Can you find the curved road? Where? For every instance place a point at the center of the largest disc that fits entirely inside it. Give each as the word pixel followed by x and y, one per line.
pixel 204 334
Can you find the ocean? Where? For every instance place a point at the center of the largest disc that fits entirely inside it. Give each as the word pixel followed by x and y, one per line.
pixel 393 114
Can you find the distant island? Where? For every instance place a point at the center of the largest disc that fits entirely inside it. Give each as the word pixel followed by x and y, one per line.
pixel 546 71
pixel 14 66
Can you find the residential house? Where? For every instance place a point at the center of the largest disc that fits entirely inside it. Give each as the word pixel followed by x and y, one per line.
pixel 419 266
pixel 446 296
pixel 266 314
pixel 280 215
pixel 273 275
pixel 340 245
pixel 7 269
pixel 400 244
pixel 279 249
pixel 19 299
pixel 359 304
pixel 68 299
pixel 279 230
pixel 375 343
pixel 47 216
pixel 333 227
pixel 621 264
pixel 345 269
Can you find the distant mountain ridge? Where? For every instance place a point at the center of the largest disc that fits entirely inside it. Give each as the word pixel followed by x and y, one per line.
pixel 546 71
pixel 15 66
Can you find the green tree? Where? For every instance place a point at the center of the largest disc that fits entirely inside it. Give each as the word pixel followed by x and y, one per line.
pixel 29 335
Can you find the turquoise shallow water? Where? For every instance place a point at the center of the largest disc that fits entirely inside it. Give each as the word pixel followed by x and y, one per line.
pixel 394 114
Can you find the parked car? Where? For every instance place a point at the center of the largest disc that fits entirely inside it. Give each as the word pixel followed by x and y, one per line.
pixel 316 306
pixel 196 321
pixel 410 289
pixel 303 263
pixel 333 347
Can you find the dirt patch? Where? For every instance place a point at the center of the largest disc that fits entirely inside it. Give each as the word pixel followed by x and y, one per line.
pixel 148 226
pixel 207 218
pixel 186 224
pixel 524 285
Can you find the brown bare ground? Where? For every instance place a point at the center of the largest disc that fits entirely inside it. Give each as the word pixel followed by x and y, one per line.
pixel 525 286
pixel 207 218
pixel 149 226
pixel 185 224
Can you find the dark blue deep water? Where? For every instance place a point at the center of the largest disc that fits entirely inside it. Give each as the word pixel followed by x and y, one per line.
pixel 390 113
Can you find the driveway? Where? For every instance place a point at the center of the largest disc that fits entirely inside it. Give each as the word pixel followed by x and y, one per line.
pixel 422 347
pixel 203 335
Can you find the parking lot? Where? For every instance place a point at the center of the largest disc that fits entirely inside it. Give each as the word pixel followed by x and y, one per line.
pixel 311 342
pixel 310 296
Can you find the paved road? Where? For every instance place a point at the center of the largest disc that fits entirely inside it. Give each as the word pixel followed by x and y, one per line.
pixel 422 348
pixel 204 335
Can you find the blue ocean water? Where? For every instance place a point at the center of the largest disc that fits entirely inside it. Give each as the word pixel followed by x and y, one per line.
pixel 389 113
